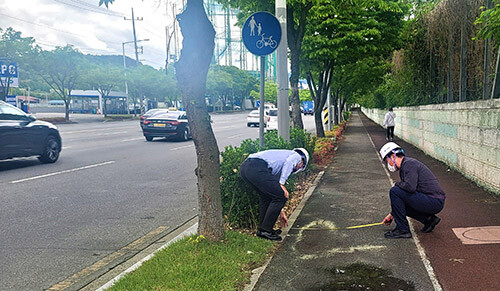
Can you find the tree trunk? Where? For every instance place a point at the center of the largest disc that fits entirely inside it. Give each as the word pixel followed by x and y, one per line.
pixel 66 110
pixel 450 68
pixel 294 83
pixel 295 38
pixel 463 58
pixel 192 69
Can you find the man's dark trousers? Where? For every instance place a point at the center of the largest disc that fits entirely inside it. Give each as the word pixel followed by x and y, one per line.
pixel 415 205
pixel 271 196
pixel 390 132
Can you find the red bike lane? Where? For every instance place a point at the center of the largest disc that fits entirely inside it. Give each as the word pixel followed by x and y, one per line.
pixel 458 266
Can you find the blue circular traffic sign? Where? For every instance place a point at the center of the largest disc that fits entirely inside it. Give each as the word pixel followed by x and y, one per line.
pixel 261 33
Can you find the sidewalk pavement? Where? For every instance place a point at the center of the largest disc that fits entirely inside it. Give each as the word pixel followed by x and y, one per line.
pixel 73 117
pixel 354 191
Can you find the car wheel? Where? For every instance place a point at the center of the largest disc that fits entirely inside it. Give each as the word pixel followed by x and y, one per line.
pixel 185 134
pixel 51 150
pixel 148 138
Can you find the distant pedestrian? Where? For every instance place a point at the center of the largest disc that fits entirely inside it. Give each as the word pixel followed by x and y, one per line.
pixel 389 123
pixel 267 171
pixel 417 195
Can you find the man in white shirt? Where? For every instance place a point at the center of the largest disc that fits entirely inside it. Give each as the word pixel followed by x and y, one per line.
pixel 267 171
pixel 389 123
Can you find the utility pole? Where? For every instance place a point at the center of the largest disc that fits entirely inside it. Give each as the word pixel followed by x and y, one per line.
pixel 282 74
pixel 136 51
pixel 229 53
pixel 125 73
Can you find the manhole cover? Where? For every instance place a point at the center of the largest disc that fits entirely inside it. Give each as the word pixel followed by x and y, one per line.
pixel 478 235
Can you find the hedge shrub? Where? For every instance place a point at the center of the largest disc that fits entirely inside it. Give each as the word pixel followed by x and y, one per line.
pixel 239 199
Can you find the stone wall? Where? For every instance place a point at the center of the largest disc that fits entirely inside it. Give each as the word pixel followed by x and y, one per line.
pixel 464 135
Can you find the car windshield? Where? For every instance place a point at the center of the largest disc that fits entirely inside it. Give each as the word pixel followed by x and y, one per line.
pixel 169 115
pixel 273 112
pixel 156 112
pixel 9 109
pixel 151 111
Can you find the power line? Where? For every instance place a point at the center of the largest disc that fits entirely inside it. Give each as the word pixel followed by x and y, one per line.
pixel 48 27
pixel 95 10
pixel 45 26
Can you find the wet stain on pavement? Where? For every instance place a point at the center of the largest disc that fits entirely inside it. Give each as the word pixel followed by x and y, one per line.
pixel 363 277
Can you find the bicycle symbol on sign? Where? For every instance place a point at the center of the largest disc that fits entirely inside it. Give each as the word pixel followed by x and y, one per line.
pixel 266 41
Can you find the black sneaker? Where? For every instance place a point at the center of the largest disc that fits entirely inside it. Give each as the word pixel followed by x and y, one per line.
pixel 268 235
pixel 277 231
pixel 396 233
pixel 430 224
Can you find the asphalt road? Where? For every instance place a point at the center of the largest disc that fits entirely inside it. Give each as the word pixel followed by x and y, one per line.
pixel 109 188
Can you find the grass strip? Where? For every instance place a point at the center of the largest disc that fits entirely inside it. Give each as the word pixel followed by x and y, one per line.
pixel 197 264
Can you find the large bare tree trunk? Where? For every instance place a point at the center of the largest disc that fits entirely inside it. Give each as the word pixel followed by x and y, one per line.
pixel 192 69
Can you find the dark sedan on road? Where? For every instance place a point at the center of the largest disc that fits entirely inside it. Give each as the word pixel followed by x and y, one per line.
pixel 150 113
pixel 167 124
pixel 21 135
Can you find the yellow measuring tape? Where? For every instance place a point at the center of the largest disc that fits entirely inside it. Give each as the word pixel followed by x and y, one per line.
pixel 339 228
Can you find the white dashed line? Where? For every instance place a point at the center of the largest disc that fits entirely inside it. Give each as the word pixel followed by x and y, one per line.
pixel 183 147
pixel 62 172
pixel 132 139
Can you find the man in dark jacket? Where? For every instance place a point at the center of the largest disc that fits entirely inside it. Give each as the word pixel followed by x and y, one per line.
pixel 417 195
pixel 267 172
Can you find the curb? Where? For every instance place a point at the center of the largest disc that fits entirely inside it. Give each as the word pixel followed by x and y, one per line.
pixel 256 273
pixel 108 279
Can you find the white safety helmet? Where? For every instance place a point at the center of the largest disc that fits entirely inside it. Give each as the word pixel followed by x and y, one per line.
pixel 305 157
pixel 388 148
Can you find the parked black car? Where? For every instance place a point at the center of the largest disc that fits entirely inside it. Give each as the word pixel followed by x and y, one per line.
pixel 21 135
pixel 167 124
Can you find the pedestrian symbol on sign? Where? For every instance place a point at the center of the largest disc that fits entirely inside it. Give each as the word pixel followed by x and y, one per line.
pixel 261 33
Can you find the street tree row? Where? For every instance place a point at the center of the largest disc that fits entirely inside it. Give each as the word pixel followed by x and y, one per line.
pixel 58 72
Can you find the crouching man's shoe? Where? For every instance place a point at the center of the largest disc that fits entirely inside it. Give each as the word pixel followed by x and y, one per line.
pixel 430 224
pixel 396 233
pixel 268 235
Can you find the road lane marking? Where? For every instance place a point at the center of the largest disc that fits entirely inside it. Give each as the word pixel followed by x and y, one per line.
pixel 132 139
pixel 132 247
pixel 65 148
pixel 183 147
pixel 62 172
pixel 111 133
pixel 238 135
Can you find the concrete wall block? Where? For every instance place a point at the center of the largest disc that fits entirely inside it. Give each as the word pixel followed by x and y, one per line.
pixel 493 176
pixel 471 167
pixel 446 129
pixel 460 117
pixel 427 125
pixel 446 155
pixel 490 137
pixel 473 118
pixel 469 134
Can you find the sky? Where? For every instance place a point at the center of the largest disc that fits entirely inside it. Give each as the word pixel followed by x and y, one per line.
pixel 93 29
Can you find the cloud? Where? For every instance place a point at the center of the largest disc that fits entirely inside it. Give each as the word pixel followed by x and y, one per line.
pixel 90 28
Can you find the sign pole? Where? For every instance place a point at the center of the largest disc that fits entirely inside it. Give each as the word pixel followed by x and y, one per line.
pixel 261 35
pixel 261 105
pixel 282 72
